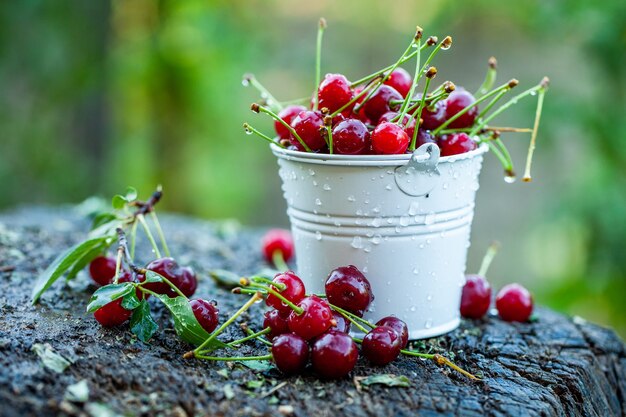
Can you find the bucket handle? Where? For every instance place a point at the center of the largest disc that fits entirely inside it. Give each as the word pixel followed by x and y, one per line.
pixel 420 175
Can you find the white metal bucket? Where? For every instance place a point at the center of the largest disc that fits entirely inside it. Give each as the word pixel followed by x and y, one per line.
pixel 412 247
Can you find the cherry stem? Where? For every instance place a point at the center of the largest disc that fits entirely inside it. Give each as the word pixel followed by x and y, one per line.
pixel 508 168
pixel 509 171
pixel 118 263
pixel 416 76
pixel 318 60
pixel 157 224
pixel 417 116
pixel 281 287
pixel 492 250
pixel 352 316
pixel 234 358
pixel 250 129
pixel 133 239
pixel 265 94
pixel 439 360
pixel 354 99
pixel 491 104
pixel 490 129
pixel 249 337
pixel 329 129
pixel 248 331
pixel 256 297
pixel 493 92
pixel 281 121
pixel 239 290
pixel 278 260
pixel 351 320
pixel 144 224
pixel 490 78
pixel 531 147
pixel 270 290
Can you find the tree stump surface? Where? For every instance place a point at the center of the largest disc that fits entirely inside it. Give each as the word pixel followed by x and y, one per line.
pixel 555 366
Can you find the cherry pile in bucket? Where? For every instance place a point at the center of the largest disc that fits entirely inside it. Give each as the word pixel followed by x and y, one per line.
pixel 392 111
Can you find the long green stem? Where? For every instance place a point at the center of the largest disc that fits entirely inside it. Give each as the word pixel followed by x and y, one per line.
pixel 265 94
pixel 281 287
pixel 249 129
pixel 488 258
pixel 278 295
pixel 416 76
pixel 256 297
pixel 329 129
pixel 352 316
pixel 531 147
pixel 417 116
pixel 258 108
pixel 249 337
pixel 157 224
pixel 279 261
pixel 491 104
pixel 509 171
pixel 168 282
pixel 351 320
pixel 490 78
pixel 146 228
pixel 318 60
pixel 235 358
pixel 354 99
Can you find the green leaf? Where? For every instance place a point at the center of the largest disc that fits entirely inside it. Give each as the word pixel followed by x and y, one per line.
pixel 118 202
pixel 152 276
pixel 131 194
pixel 141 322
pixel 224 278
pixel 104 295
pixel 50 359
pixel 260 366
pixel 61 264
pixel 78 392
pixel 185 323
pixel 102 218
pixel 389 380
pixel 130 301
pixel 85 260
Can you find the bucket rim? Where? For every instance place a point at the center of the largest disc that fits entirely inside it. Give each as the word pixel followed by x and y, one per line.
pixel 366 160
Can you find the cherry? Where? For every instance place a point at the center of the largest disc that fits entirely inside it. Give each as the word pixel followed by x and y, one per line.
pixel 408 122
pixel 206 313
pixel 360 114
pixel 307 125
pixel 381 345
pixel 347 288
pixel 514 303
pixel 277 240
pixel 399 326
pixel 277 322
pixel 290 353
pixel 294 291
pixel 183 278
pixel 343 324
pixel 112 314
pixel 423 136
pixel 389 138
pixel 102 270
pixel 457 101
pixel 334 355
pixel 287 115
pixel 456 143
pixel 433 116
pixel 126 276
pixel 379 103
pixel 334 92
pixel 351 137
pixel 401 80
pixel 316 318
pixel 476 297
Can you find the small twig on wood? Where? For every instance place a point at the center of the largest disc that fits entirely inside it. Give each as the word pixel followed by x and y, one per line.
pixel 145 207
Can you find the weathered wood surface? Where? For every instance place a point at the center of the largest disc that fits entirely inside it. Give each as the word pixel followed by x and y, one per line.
pixel 555 366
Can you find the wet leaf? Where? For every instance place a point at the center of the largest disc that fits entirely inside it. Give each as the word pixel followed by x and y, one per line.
pixel 260 366
pixel 104 295
pixel 131 193
pixel 62 264
pixel 224 278
pixel 142 324
pixel 78 392
pixel 101 219
pixel 85 260
pixel 388 380
pixel 118 202
pixel 152 276
pixel 229 393
pixel 130 301
pixel 50 359
pixel 255 383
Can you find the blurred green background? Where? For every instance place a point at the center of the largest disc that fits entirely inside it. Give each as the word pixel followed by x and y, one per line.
pixel 97 95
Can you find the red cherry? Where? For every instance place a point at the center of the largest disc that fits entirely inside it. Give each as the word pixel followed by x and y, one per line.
pixel 334 355
pixel 334 92
pixel 126 276
pixel 399 326
pixel 290 353
pixel 307 125
pixel 456 143
pixel 277 240
pixel 379 103
pixel 381 345
pixel 408 122
pixel 457 101
pixel 287 115
pixel 316 318
pixel 112 314
pixel 206 313
pixel 343 324
pixel 183 278
pixel 277 322
pixel 102 270
pixel 514 303
pixel 294 291
pixel 347 288
pixel 351 137
pixel 388 139
pixel 476 297
pixel 424 136
pixel 360 114
pixel 401 80
pixel 433 116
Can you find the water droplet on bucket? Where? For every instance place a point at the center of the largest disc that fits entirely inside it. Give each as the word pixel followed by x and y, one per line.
pixel 412 308
pixel 416 271
pixel 429 297
pixel 510 179
pixel 357 242
pixel 315 184
pixel 404 221
pixel 388 187
pixel 318 202
pixel 429 218
pixel 376 239
pixel 376 222
pixel 414 208
pixel 327 187
pixel 351 198
pixel 318 235
pixel 429 323
pixel 311 172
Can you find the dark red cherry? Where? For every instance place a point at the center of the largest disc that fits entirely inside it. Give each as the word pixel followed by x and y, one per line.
pixel 126 276
pixel 408 123
pixel 206 313
pixel 290 353
pixel 360 113
pixel 379 103
pixel 514 303
pixel 351 137
pixel 277 322
pixel 183 278
pixel 347 288
pixel 188 281
pixel 112 314
pixel 102 270
pixel 307 125
pixel 294 291
pixel 287 115
pixel 433 116
pixel 399 326
pixel 401 80
pixel 277 240
pixel 381 345
pixel 456 143
pixel 334 92
pixel 316 318
pixel 457 101
pixel 388 139
pixel 476 297
pixel 334 355
pixel 343 324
